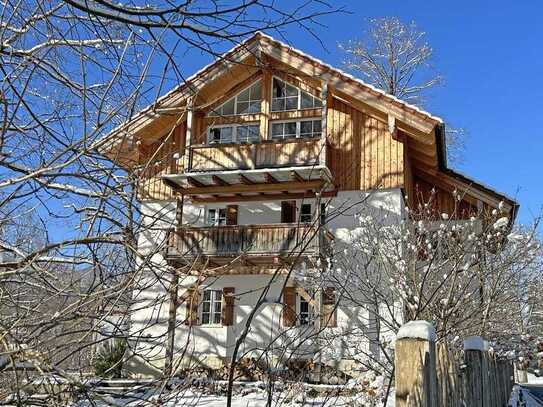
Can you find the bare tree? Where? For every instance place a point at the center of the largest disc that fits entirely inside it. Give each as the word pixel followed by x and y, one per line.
pixel 70 72
pixel 396 58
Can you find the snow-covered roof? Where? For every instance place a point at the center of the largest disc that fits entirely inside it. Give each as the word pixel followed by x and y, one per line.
pixel 245 45
pixel 351 77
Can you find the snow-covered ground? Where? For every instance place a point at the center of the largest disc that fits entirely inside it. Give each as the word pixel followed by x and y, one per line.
pixel 247 395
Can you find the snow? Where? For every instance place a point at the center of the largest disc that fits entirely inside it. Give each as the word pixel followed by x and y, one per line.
pixel 474 343
pixel 501 223
pixel 253 397
pixel 417 330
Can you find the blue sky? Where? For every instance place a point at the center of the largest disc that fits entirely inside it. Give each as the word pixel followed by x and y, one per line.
pixel 489 54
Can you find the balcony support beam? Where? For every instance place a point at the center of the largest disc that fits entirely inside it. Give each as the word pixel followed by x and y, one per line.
pixel 264 197
pixel 219 181
pixel 243 188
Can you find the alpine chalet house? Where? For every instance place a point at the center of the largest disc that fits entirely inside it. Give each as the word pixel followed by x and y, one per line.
pixel 240 170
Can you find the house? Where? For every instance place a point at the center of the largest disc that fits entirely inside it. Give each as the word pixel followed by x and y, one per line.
pixel 240 168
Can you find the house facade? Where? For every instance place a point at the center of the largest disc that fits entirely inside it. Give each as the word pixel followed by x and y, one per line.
pixel 253 170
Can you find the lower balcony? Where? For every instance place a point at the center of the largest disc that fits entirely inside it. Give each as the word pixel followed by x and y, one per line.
pixel 247 244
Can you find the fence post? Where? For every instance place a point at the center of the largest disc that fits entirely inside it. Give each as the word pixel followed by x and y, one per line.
pixel 473 359
pixel 415 365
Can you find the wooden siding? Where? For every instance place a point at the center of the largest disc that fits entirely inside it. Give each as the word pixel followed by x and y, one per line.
pixel 157 159
pixel 362 155
pixel 260 155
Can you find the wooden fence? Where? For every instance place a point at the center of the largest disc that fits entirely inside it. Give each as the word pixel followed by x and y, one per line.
pixel 431 375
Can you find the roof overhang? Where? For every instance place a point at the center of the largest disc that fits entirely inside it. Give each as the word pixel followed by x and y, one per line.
pixel 261 184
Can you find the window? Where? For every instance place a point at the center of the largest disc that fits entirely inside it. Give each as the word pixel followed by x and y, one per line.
pixel 284 130
pixel 248 133
pixel 243 133
pixel 305 213
pixel 295 129
pixel 221 135
pixel 288 97
pixel 310 128
pixel 211 307
pixel 216 217
pixel 304 313
pixel 246 102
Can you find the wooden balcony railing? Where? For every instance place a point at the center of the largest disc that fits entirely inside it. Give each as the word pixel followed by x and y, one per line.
pixel 268 154
pixel 255 241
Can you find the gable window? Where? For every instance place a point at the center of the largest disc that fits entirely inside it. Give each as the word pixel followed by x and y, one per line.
pixel 296 129
pixel 216 217
pixel 211 307
pixel 239 133
pixel 305 213
pixel 248 101
pixel 288 97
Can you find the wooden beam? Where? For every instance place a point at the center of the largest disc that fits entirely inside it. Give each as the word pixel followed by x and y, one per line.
pixel 297 176
pixel 188 133
pixel 264 197
pixel 219 181
pixel 241 188
pixel 265 104
pixel 245 180
pixel 324 121
pixel 270 179
pixel 196 183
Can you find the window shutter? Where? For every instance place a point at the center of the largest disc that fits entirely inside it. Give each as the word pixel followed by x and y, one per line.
pixel 289 308
pixel 288 212
pixel 227 317
pixel 328 316
pixel 191 303
pixel 232 215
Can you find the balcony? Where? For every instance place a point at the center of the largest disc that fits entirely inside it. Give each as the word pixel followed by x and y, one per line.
pixel 268 154
pixel 249 244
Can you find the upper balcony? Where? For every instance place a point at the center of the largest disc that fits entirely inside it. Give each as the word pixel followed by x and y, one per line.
pixel 266 154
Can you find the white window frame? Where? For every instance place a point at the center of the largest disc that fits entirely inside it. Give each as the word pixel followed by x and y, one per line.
pixel 215 297
pixel 213 113
pixel 299 104
pixel 217 216
pixel 298 128
pixel 299 319
pixel 234 132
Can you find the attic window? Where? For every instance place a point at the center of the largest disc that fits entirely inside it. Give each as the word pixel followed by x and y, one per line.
pixel 234 133
pixel 248 101
pixel 288 97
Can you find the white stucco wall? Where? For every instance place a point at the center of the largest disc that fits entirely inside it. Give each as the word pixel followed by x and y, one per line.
pixel 150 311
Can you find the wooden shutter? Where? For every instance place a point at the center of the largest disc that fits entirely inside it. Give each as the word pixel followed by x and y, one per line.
pixel 232 215
pixel 288 212
pixel 289 306
pixel 227 312
pixel 328 316
pixel 192 299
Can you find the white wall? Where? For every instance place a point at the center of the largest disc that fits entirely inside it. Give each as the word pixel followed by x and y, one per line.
pixel 150 311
